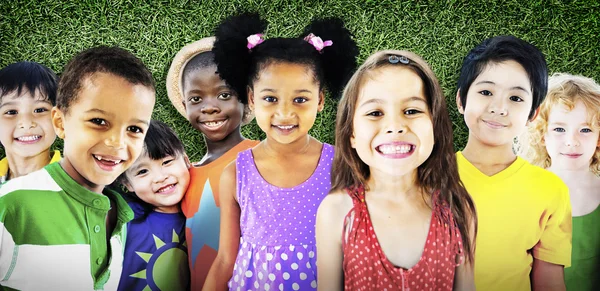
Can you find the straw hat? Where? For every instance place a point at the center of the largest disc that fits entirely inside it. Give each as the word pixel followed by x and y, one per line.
pixel 175 75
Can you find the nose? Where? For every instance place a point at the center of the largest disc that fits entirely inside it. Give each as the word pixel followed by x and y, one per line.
pixel 498 106
pixel 115 139
pixel 210 107
pixel 395 124
pixel 284 110
pixel 160 177
pixel 26 121
pixel 572 140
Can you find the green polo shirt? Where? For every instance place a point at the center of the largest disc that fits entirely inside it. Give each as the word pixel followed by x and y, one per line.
pixel 53 234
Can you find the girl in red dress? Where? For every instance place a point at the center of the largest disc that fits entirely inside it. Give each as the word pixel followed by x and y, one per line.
pixel 398 217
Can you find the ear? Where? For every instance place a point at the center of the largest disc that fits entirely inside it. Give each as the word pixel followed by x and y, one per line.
pixel 128 185
pixel 183 103
pixel 250 93
pixel 353 141
pixel 461 110
pixel 321 100
pixel 187 161
pixel 537 111
pixel 58 121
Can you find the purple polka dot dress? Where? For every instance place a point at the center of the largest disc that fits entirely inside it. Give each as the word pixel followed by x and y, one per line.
pixel 277 245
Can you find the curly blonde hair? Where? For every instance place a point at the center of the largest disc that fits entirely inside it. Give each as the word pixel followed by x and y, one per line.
pixel 567 90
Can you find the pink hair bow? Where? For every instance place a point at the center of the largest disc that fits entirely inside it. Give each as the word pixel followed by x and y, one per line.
pixel 254 40
pixel 317 42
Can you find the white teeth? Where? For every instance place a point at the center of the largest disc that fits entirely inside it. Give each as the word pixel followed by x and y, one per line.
pixel 165 189
pixel 214 123
pixel 29 138
pixel 397 149
pixel 101 158
pixel 285 127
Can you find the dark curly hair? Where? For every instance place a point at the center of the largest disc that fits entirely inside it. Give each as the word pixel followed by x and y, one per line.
pixel 112 60
pixel 239 66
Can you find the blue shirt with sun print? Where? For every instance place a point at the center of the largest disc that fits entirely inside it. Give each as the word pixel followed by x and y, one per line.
pixel 155 252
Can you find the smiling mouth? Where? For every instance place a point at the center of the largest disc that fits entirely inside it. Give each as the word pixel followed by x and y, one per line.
pixel 106 163
pixel 213 124
pixel 390 149
pixel 573 156
pixel 166 188
pixel 494 125
pixel 28 138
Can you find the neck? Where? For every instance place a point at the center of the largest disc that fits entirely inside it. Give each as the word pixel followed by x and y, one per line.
pixel 479 153
pixel 167 209
pixel 297 147
pixel 399 188
pixel 70 170
pixel 217 148
pixel 579 177
pixel 20 166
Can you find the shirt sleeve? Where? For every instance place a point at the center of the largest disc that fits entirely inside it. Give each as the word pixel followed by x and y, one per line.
pixel 7 245
pixel 555 245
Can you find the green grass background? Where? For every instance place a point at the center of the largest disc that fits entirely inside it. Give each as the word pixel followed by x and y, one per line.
pixel 51 32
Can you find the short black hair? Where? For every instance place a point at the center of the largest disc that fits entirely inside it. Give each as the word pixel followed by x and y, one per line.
pixel 113 60
pixel 506 48
pixel 239 66
pixel 29 76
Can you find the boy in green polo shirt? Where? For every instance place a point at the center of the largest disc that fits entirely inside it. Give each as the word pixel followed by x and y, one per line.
pixel 60 229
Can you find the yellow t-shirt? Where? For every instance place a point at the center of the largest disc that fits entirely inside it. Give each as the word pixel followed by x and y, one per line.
pixel 4 165
pixel 524 212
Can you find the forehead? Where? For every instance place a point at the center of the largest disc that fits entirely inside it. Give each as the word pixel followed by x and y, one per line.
pixel 285 74
pixel 24 96
pixel 579 114
pixel 506 74
pixel 391 83
pixel 114 93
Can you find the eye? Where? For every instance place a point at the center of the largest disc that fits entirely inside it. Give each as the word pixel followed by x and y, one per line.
pixel 135 129
pixel 40 110
pixel 412 111
pixel 270 99
pixel 516 99
pixel 375 113
pixel 11 112
pixel 98 121
pixel 559 129
pixel 485 93
pixel 300 100
pixel 141 172
pixel 224 96
pixel 586 130
pixel 195 99
pixel 168 161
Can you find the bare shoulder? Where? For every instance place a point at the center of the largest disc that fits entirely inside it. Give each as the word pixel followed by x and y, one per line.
pixel 229 172
pixel 335 206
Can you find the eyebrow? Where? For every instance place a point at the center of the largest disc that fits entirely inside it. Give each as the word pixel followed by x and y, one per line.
pixel 381 101
pixel 221 87
pixel 96 110
pixel 511 88
pixel 564 124
pixel 296 91
pixel 14 102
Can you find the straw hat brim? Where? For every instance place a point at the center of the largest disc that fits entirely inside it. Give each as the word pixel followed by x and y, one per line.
pixel 174 80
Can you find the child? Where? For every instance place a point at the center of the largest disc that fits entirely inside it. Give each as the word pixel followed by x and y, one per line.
pixel 269 196
pixel 524 212
pixel 564 140
pixel 216 110
pixel 27 94
pixel 61 229
pixel 156 253
pixel 393 138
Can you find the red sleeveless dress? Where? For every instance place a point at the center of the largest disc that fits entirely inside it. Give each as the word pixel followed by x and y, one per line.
pixel 367 268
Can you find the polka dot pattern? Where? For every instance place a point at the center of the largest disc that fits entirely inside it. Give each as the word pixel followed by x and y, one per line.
pixel 277 245
pixel 367 268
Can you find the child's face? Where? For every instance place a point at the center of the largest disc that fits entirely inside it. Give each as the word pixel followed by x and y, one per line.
pixel 25 124
pixel 104 128
pixel 570 140
pixel 161 183
pixel 286 99
pixel 393 130
pixel 212 107
pixel 498 104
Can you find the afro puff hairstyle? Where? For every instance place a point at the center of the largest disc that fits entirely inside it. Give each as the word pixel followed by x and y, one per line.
pixel 239 66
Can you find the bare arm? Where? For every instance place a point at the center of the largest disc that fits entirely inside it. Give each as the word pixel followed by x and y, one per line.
pixel 464 275
pixel 330 219
pixel 547 276
pixel 222 268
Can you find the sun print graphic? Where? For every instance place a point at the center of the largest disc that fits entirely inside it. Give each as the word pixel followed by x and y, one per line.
pixel 167 267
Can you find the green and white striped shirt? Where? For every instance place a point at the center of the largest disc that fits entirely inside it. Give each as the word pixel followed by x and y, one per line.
pixel 53 234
